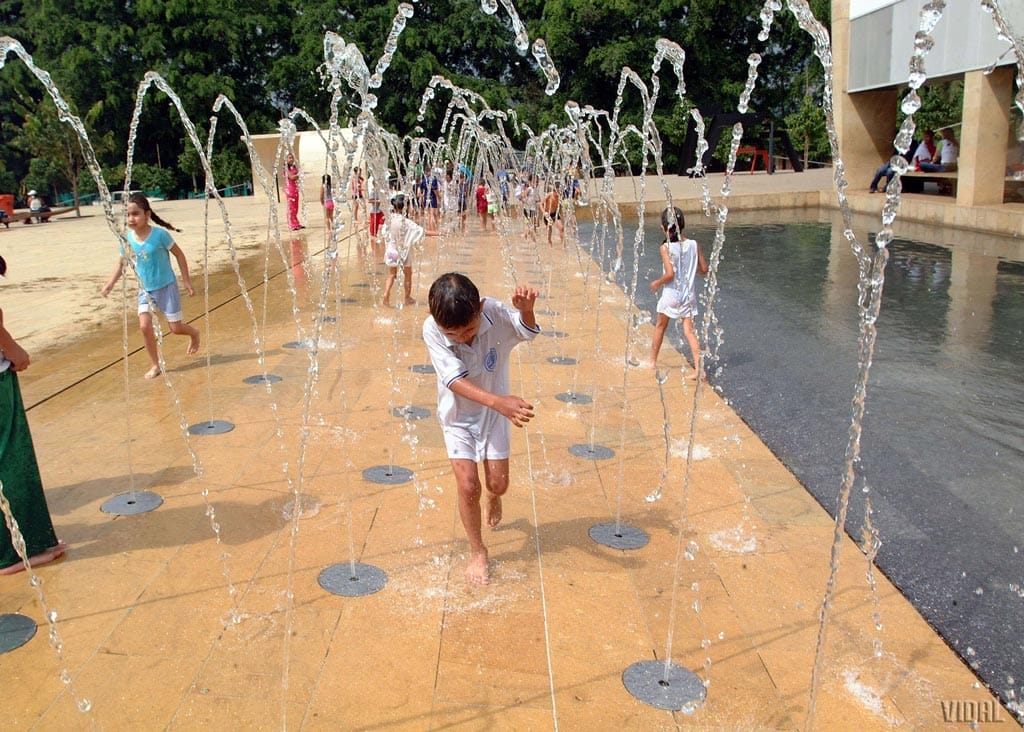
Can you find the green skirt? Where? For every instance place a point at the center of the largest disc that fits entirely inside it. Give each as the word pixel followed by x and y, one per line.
pixel 19 473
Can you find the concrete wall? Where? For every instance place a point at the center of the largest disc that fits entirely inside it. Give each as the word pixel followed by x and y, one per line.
pixel 882 40
pixel 311 155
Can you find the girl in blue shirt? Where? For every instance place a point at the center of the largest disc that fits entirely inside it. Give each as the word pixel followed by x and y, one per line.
pixel 152 247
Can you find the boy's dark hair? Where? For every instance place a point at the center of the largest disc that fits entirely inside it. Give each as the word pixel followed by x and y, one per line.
pixel 3 267
pixel 454 300
pixel 140 200
pixel 672 221
pixel 398 202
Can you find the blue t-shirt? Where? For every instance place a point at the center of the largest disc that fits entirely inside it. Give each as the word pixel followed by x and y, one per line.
pixel 152 261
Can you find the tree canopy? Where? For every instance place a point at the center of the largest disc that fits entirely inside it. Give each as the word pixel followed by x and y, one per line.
pixel 266 58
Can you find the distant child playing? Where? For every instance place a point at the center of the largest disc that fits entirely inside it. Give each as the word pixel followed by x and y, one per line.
pixel 291 192
pixel 327 201
pixel 400 236
pixel 681 259
pixel 152 246
pixel 376 214
pixel 470 340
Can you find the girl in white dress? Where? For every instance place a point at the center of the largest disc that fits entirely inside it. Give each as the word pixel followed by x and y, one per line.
pixel 681 259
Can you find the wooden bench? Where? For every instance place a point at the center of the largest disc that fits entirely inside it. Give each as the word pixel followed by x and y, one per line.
pixel 25 214
pixel 948 181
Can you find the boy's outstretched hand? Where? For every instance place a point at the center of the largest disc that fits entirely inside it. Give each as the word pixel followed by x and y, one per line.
pixel 524 298
pixel 518 411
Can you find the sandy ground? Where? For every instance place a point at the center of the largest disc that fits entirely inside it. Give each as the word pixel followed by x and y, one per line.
pixel 50 295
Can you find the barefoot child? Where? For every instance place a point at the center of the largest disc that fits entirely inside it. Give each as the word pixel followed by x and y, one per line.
pixel 470 339
pixel 400 236
pixel 150 246
pixel 549 208
pixel 682 260
pixel 327 201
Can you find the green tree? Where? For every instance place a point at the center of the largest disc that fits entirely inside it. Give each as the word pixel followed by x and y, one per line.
pixel 942 105
pixel 808 130
pixel 267 58
pixel 46 137
pixel 150 177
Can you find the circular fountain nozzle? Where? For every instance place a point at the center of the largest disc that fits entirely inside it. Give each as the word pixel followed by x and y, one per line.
pixel 129 504
pixel 15 631
pixel 352 580
pixel 676 689
pixel 387 474
pixel 262 379
pixel 211 427
pixel 619 536
pixel 592 452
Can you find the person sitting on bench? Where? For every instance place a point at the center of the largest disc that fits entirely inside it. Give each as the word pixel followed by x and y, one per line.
pixel 37 205
pixel 924 151
pixel 944 160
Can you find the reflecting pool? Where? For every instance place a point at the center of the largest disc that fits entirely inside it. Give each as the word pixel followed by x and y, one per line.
pixel 943 442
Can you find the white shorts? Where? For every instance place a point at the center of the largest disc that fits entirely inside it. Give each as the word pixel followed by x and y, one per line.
pixel 490 441
pixel 167 300
pixel 673 306
pixel 395 258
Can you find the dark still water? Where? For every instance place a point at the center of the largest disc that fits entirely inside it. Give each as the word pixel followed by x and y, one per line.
pixel 943 442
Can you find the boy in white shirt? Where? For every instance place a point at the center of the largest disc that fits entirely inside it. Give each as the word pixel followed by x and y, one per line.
pixel 470 340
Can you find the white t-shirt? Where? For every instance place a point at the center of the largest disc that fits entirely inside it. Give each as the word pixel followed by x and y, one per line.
pixel 679 297
pixel 947 152
pixel 485 361
pixel 921 155
pixel 400 236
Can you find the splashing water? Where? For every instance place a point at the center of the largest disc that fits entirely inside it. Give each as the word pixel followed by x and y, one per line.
pixel 56 643
pixel 540 53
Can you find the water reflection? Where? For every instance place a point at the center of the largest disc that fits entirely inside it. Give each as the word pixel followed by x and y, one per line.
pixel 297 253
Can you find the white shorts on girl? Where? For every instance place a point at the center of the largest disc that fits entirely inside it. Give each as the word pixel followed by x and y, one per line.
pixel 167 300
pixel 674 306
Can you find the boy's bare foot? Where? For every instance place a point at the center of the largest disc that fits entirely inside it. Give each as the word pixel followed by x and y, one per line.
pixel 410 301
pixel 477 572
pixel 385 303
pixel 153 372
pixel 37 560
pixel 193 344
pixel 492 510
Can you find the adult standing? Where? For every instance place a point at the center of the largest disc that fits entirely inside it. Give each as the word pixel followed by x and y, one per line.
pixel 19 471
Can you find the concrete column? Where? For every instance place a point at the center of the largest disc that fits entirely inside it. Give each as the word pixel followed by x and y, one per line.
pixel 865 121
pixel 265 147
pixel 983 136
